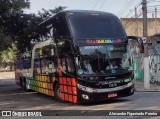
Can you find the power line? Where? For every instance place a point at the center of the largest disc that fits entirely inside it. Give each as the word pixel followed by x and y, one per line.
pixel 122 7
pixel 127 6
pixel 131 11
pixel 153 1
pixel 139 15
pixel 136 6
pixel 102 4
pixel 95 4
pixel 128 23
pixel 154 6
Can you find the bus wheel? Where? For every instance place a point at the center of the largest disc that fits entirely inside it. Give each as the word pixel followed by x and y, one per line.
pixel 57 93
pixel 25 85
pixel 20 81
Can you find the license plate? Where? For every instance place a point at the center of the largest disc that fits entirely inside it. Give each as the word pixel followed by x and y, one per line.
pixel 111 95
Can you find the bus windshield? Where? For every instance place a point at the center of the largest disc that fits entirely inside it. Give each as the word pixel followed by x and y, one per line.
pixel 96 26
pixel 104 60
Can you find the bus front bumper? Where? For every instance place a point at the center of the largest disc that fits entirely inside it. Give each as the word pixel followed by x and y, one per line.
pixel 90 95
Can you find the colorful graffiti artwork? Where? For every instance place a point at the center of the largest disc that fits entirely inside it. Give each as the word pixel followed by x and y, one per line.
pixel 138 62
pixel 154 62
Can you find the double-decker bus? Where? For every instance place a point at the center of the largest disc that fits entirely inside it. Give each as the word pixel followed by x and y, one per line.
pixel 83 56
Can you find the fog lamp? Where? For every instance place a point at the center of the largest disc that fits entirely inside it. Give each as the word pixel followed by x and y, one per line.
pixel 85 96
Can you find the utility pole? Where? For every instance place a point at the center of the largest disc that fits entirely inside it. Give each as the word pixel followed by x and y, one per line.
pixel 144 9
pixel 156 13
pixel 136 18
pixel 156 20
pixel 146 55
pixel 152 15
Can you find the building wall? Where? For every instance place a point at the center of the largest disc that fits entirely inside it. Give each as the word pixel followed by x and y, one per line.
pixel 134 26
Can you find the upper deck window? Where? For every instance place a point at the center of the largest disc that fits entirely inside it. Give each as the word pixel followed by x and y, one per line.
pixel 96 26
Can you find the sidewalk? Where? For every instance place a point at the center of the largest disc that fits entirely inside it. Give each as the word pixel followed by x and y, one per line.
pixel 7 75
pixel 139 86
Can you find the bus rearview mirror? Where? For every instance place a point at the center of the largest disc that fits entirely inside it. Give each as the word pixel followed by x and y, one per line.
pixel 138 40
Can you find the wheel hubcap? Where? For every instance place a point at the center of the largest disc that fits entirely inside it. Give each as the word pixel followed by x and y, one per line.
pixel 59 93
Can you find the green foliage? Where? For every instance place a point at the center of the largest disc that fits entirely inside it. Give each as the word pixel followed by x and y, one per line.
pixel 13 7
pixel 5 42
pixel 33 20
pixel 7 55
pixel 14 24
pixel 6 59
pixel 45 14
pixel 10 15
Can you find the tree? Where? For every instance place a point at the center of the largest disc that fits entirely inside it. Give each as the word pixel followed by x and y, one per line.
pixel 7 55
pixel 9 11
pixel 14 24
pixel 45 14
pixel 23 41
pixel 6 58
pixel 5 42
pixel 12 8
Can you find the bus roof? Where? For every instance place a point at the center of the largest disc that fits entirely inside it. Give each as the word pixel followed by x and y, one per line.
pixel 65 12
pixel 86 11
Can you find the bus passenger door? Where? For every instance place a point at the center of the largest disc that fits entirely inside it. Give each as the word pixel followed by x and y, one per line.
pixel 66 68
pixel 67 79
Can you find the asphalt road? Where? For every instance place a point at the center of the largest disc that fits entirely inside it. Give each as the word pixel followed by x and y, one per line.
pixel 13 98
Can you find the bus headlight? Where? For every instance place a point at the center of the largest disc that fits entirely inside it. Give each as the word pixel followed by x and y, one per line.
pixel 87 89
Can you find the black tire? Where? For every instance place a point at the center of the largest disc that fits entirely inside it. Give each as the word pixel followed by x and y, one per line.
pixel 24 86
pixel 57 93
pixel 21 83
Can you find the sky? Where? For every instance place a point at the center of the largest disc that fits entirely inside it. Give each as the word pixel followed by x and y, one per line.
pixel 121 8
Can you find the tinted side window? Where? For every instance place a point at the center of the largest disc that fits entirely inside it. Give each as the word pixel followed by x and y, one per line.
pixel 60 27
pixel 67 63
pixel 44 60
pixel 48 62
pixel 37 63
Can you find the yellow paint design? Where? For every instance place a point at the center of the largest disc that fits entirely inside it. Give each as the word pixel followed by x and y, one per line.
pixel 41 84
